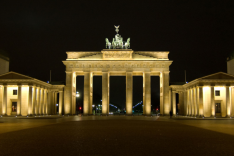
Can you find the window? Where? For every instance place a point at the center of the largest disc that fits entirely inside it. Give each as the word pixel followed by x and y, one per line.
pixel 217 93
pixel 14 92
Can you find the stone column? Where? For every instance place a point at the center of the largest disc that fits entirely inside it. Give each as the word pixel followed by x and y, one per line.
pixel 91 95
pixel 45 102
pixel 129 93
pixel 30 100
pixel 188 102
pixel 191 102
pixel 200 97
pixel 4 106
pixel 52 107
pixel 55 102
pixel 174 102
pixel 225 103
pixel 185 103
pixel 165 106
pixel 195 100
pixel 42 101
pixel 39 100
pixel 33 100
pixel 212 102
pixel 87 92
pixel 105 92
pixel 232 102
pixel 60 102
pixel 170 97
pixel 19 100
pixel 147 93
pixel 228 100
pixel 1 99
pixel 68 93
pixel 181 103
pixel 49 99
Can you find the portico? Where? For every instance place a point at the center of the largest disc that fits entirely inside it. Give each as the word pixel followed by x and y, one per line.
pixel 24 95
pixel 209 96
pixel 116 62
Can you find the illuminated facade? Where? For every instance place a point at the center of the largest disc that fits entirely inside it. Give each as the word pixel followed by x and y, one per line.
pixel 116 62
pixel 212 95
pixel 24 95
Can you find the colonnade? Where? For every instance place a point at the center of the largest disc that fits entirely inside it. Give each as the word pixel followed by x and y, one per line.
pixel 201 101
pixel 70 92
pixel 31 100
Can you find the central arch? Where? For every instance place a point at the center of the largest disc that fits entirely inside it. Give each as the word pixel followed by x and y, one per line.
pixel 113 62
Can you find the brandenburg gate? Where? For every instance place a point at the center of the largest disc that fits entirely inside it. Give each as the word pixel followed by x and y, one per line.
pixel 118 60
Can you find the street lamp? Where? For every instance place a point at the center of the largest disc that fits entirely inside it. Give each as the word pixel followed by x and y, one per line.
pixel 77 94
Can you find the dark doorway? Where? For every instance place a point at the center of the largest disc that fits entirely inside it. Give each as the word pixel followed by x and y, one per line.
pixel 137 94
pixel 14 106
pixel 97 94
pixel 155 94
pixel 117 94
pixel 79 91
pixel 217 109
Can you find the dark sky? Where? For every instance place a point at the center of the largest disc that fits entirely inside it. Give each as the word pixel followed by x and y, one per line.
pixel 198 34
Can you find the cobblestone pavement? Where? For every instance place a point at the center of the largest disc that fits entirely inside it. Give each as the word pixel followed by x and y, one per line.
pixel 116 135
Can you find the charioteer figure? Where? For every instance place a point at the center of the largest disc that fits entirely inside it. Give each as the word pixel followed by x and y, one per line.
pixel 117 42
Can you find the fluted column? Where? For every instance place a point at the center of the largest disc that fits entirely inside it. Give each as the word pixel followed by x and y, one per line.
pixel 4 107
pixel 19 100
pixel 1 99
pixel 228 100
pixel 88 89
pixel 30 100
pixel 174 102
pixel 185 112
pixel 232 102
pixel 212 101
pixel 69 94
pixel 195 100
pixel 129 87
pixel 105 92
pixel 49 99
pixel 91 94
pixel 33 100
pixel 46 102
pixel 200 97
pixel 55 102
pixel 60 102
pixel 181 103
pixel 189 102
pixel 147 93
pixel 42 101
pixel 165 106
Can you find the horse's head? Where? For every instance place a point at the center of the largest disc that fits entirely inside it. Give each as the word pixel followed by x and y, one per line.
pixel 128 40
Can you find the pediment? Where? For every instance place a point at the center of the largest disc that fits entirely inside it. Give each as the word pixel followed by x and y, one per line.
pixel 219 75
pixel 13 75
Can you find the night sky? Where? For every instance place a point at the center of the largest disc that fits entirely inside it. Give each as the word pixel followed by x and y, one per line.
pixel 198 34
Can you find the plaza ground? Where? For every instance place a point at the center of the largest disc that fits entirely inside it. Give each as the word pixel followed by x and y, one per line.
pixel 116 135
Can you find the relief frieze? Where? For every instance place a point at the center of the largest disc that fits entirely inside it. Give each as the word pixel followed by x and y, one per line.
pixel 117 65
